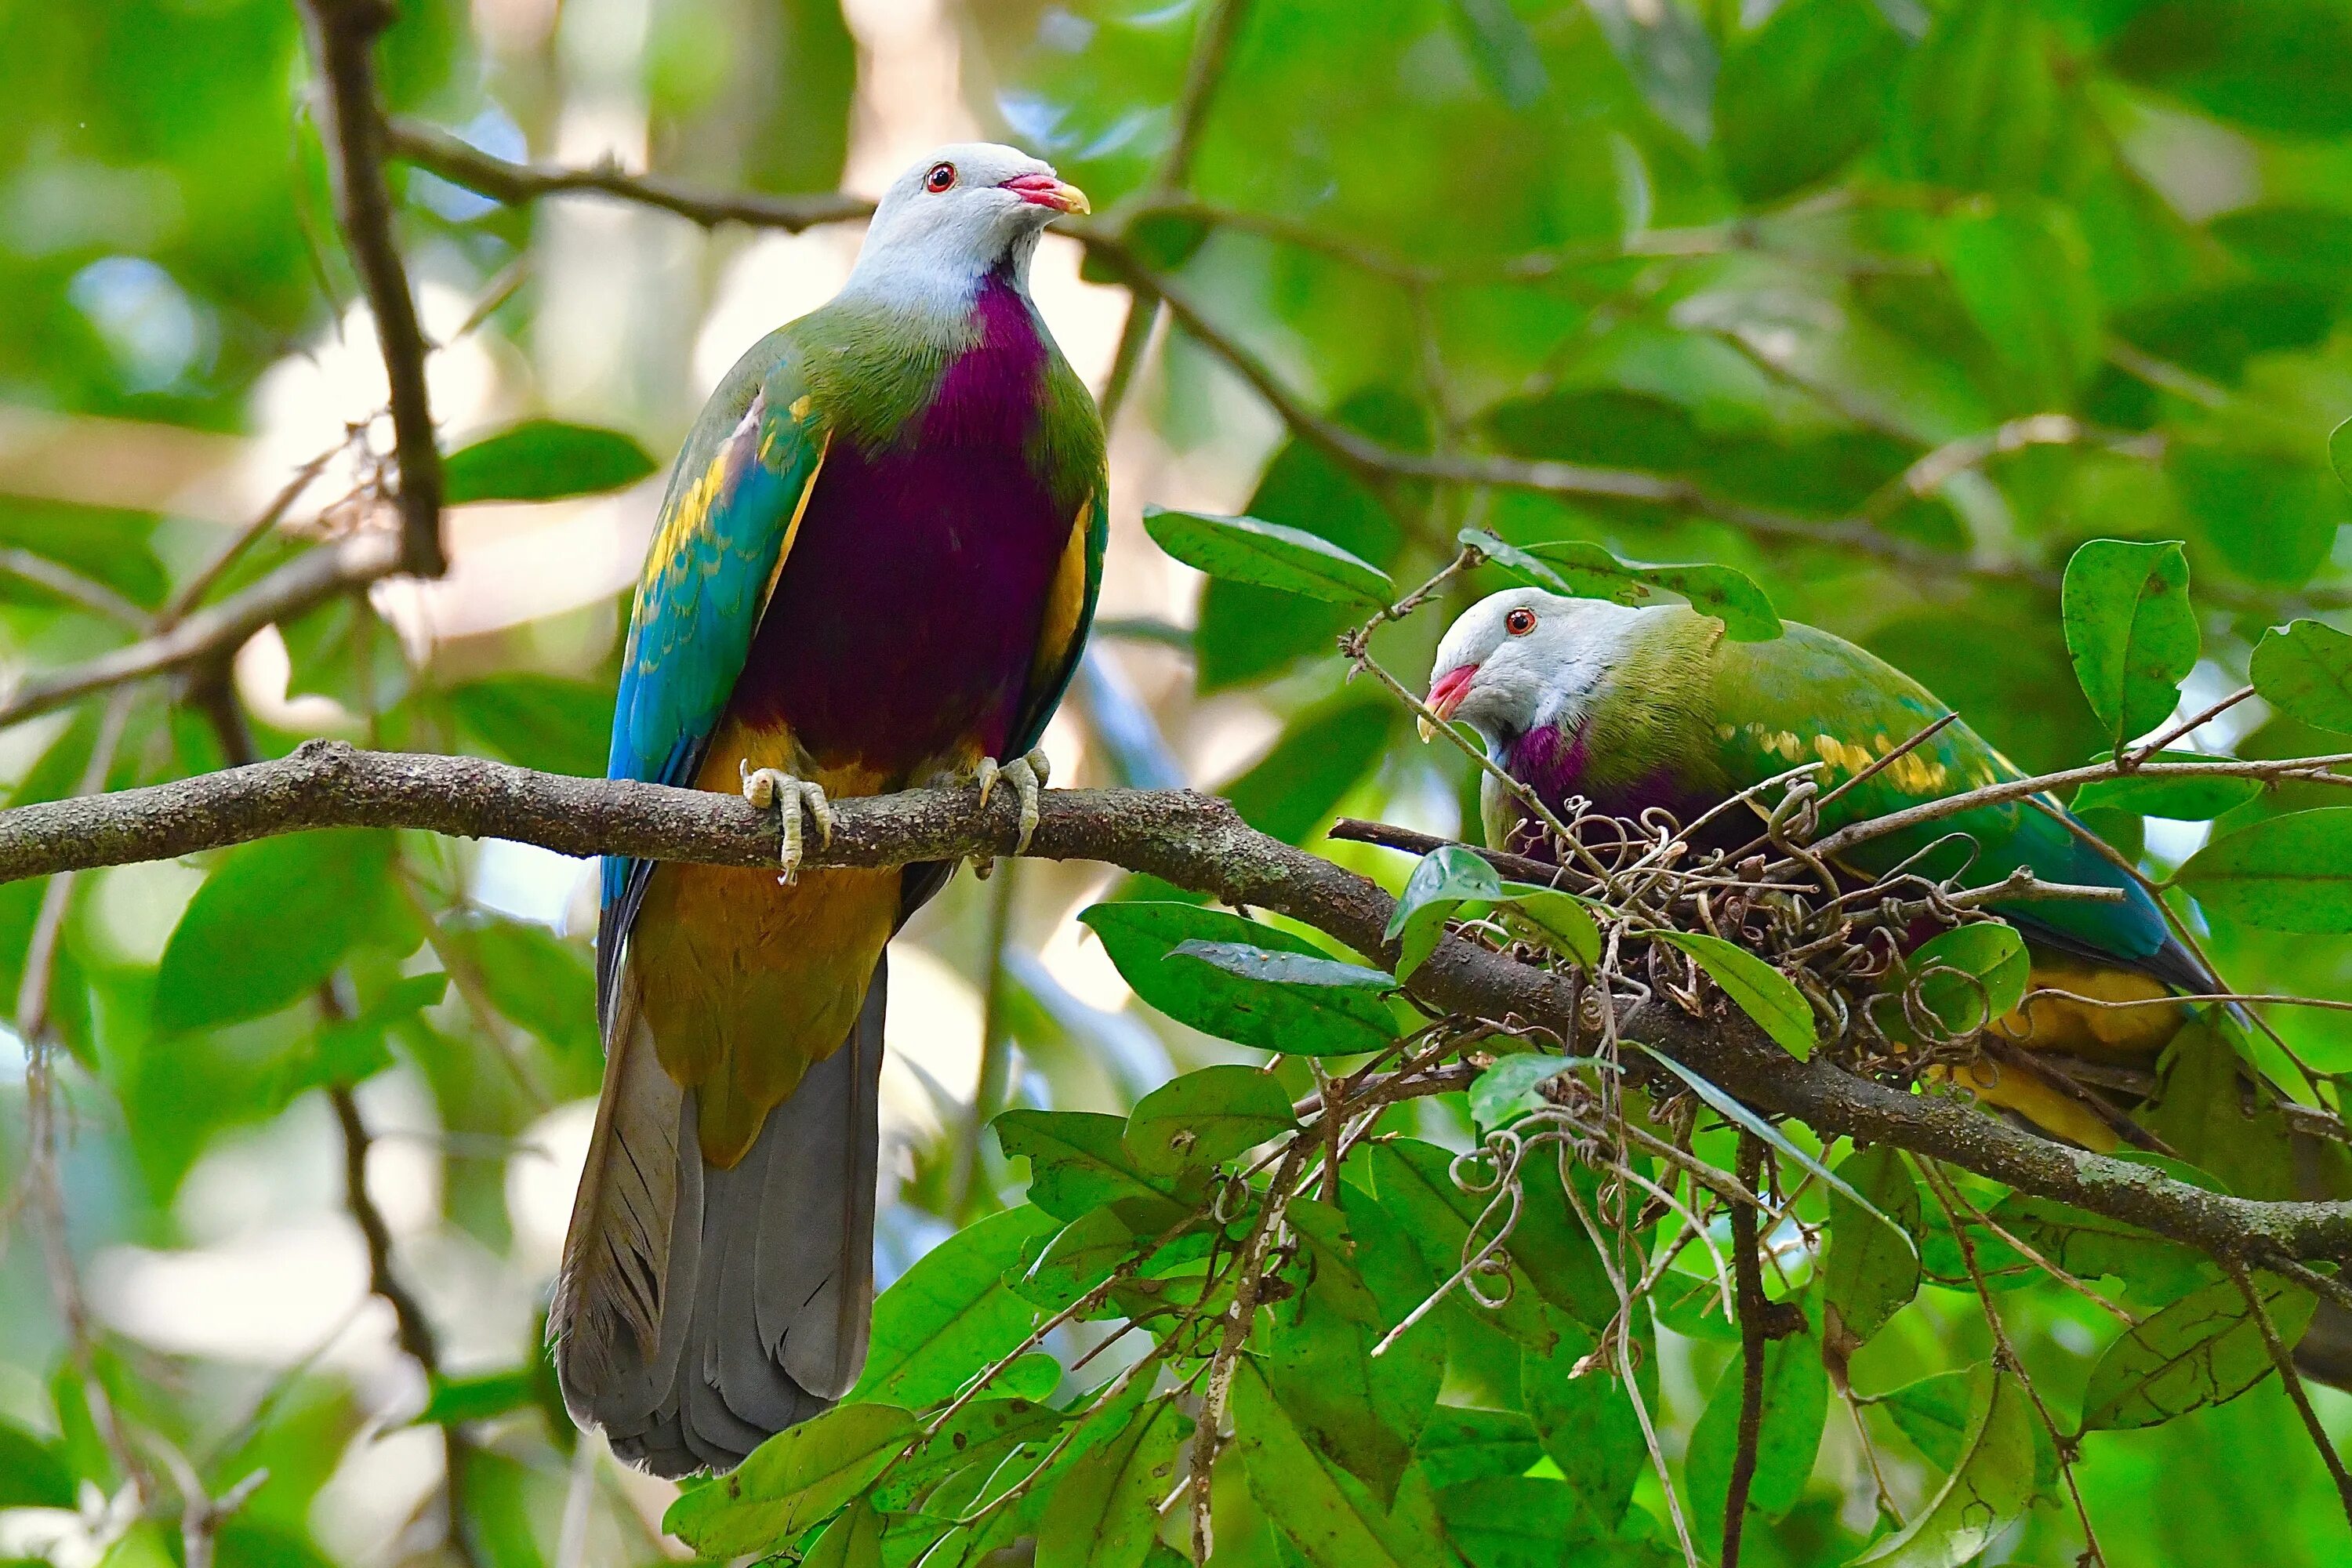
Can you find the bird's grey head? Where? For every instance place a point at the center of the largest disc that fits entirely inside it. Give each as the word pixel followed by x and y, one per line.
pixel 960 212
pixel 1522 659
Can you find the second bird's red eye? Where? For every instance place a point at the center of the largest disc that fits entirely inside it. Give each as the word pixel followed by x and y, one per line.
pixel 941 176
pixel 1519 622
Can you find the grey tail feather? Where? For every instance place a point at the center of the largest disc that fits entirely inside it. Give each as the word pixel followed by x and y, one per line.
pixel 766 1270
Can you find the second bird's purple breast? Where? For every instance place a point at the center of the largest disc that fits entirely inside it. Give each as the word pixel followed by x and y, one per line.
pixel 906 620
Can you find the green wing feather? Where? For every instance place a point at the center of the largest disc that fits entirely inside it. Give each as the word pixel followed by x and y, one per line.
pixel 1812 697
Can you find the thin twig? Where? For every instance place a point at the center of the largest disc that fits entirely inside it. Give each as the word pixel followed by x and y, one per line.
pixel 1249 1273
pixel 1748 1272
pixel 217 630
pixel 2283 1359
pixel 1948 1198
pixel 70 585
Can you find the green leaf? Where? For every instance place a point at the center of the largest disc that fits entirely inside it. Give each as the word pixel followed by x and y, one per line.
pixel 1980 108
pixel 1511 1087
pixel 542 460
pixel 1517 1521
pixel 2305 670
pixel 1298 1020
pixel 1105 1513
pixel 2087 1245
pixel 1501 46
pixel 2281 873
pixel 1079 1161
pixel 534 977
pixel 2204 1348
pixel 2339 453
pixel 1414 1182
pixel 1992 953
pixel 1441 880
pixel 1868 1275
pixel 1796 1402
pixel 1247 960
pixel 1935 1414
pixel 33 1473
pixel 1584 570
pixel 1269 556
pixel 983 1433
pixel 950 1314
pixel 1205 1118
pixel 1245 633
pixel 454 1401
pixel 2280 65
pixel 1325 753
pixel 791 1481
pixel 2180 799
pixel 539 721
pixel 270 925
pixel 1462 1442
pixel 2024 274
pixel 1803 95
pixel 2208 1110
pixel 1328 1516
pixel 1731 1110
pixel 1587 1422
pixel 1089 1250
pixel 854 1539
pixel 2130 631
pixel 2268 520
pixel 1561 922
pixel 1760 991
pixel 1986 1492
pixel 1358 1413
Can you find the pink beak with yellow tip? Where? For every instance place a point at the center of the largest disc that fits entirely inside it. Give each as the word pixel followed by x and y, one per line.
pixel 1045 191
pixel 1446 694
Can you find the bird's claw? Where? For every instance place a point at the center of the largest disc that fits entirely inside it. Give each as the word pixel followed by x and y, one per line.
pixel 1027 776
pixel 792 797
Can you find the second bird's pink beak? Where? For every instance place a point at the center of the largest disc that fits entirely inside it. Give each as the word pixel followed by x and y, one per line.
pixel 1446 694
pixel 1045 191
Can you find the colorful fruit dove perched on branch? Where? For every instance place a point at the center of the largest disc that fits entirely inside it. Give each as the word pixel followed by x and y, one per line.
pixel 1630 708
pixel 873 570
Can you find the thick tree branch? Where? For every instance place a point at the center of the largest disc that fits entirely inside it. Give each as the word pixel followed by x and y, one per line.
pixel 1191 840
pixel 343 40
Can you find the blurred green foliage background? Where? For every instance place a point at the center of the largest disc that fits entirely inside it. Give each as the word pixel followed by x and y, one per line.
pixel 1976 280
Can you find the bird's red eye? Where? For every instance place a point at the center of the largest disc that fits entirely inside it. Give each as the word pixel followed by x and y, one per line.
pixel 941 176
pixel 1519 622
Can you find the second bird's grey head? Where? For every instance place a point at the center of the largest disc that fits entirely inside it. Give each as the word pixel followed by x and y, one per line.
pixel 1522 659
pixel 960 212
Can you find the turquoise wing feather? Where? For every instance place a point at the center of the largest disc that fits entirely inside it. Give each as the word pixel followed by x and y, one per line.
pixel 1812 697
pixel 738 484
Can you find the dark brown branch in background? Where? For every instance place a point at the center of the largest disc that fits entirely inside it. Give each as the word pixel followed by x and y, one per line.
pixel 342 41
pixel 429 147
pixel 1213 46
pixel 1195 841
pixel 503 180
